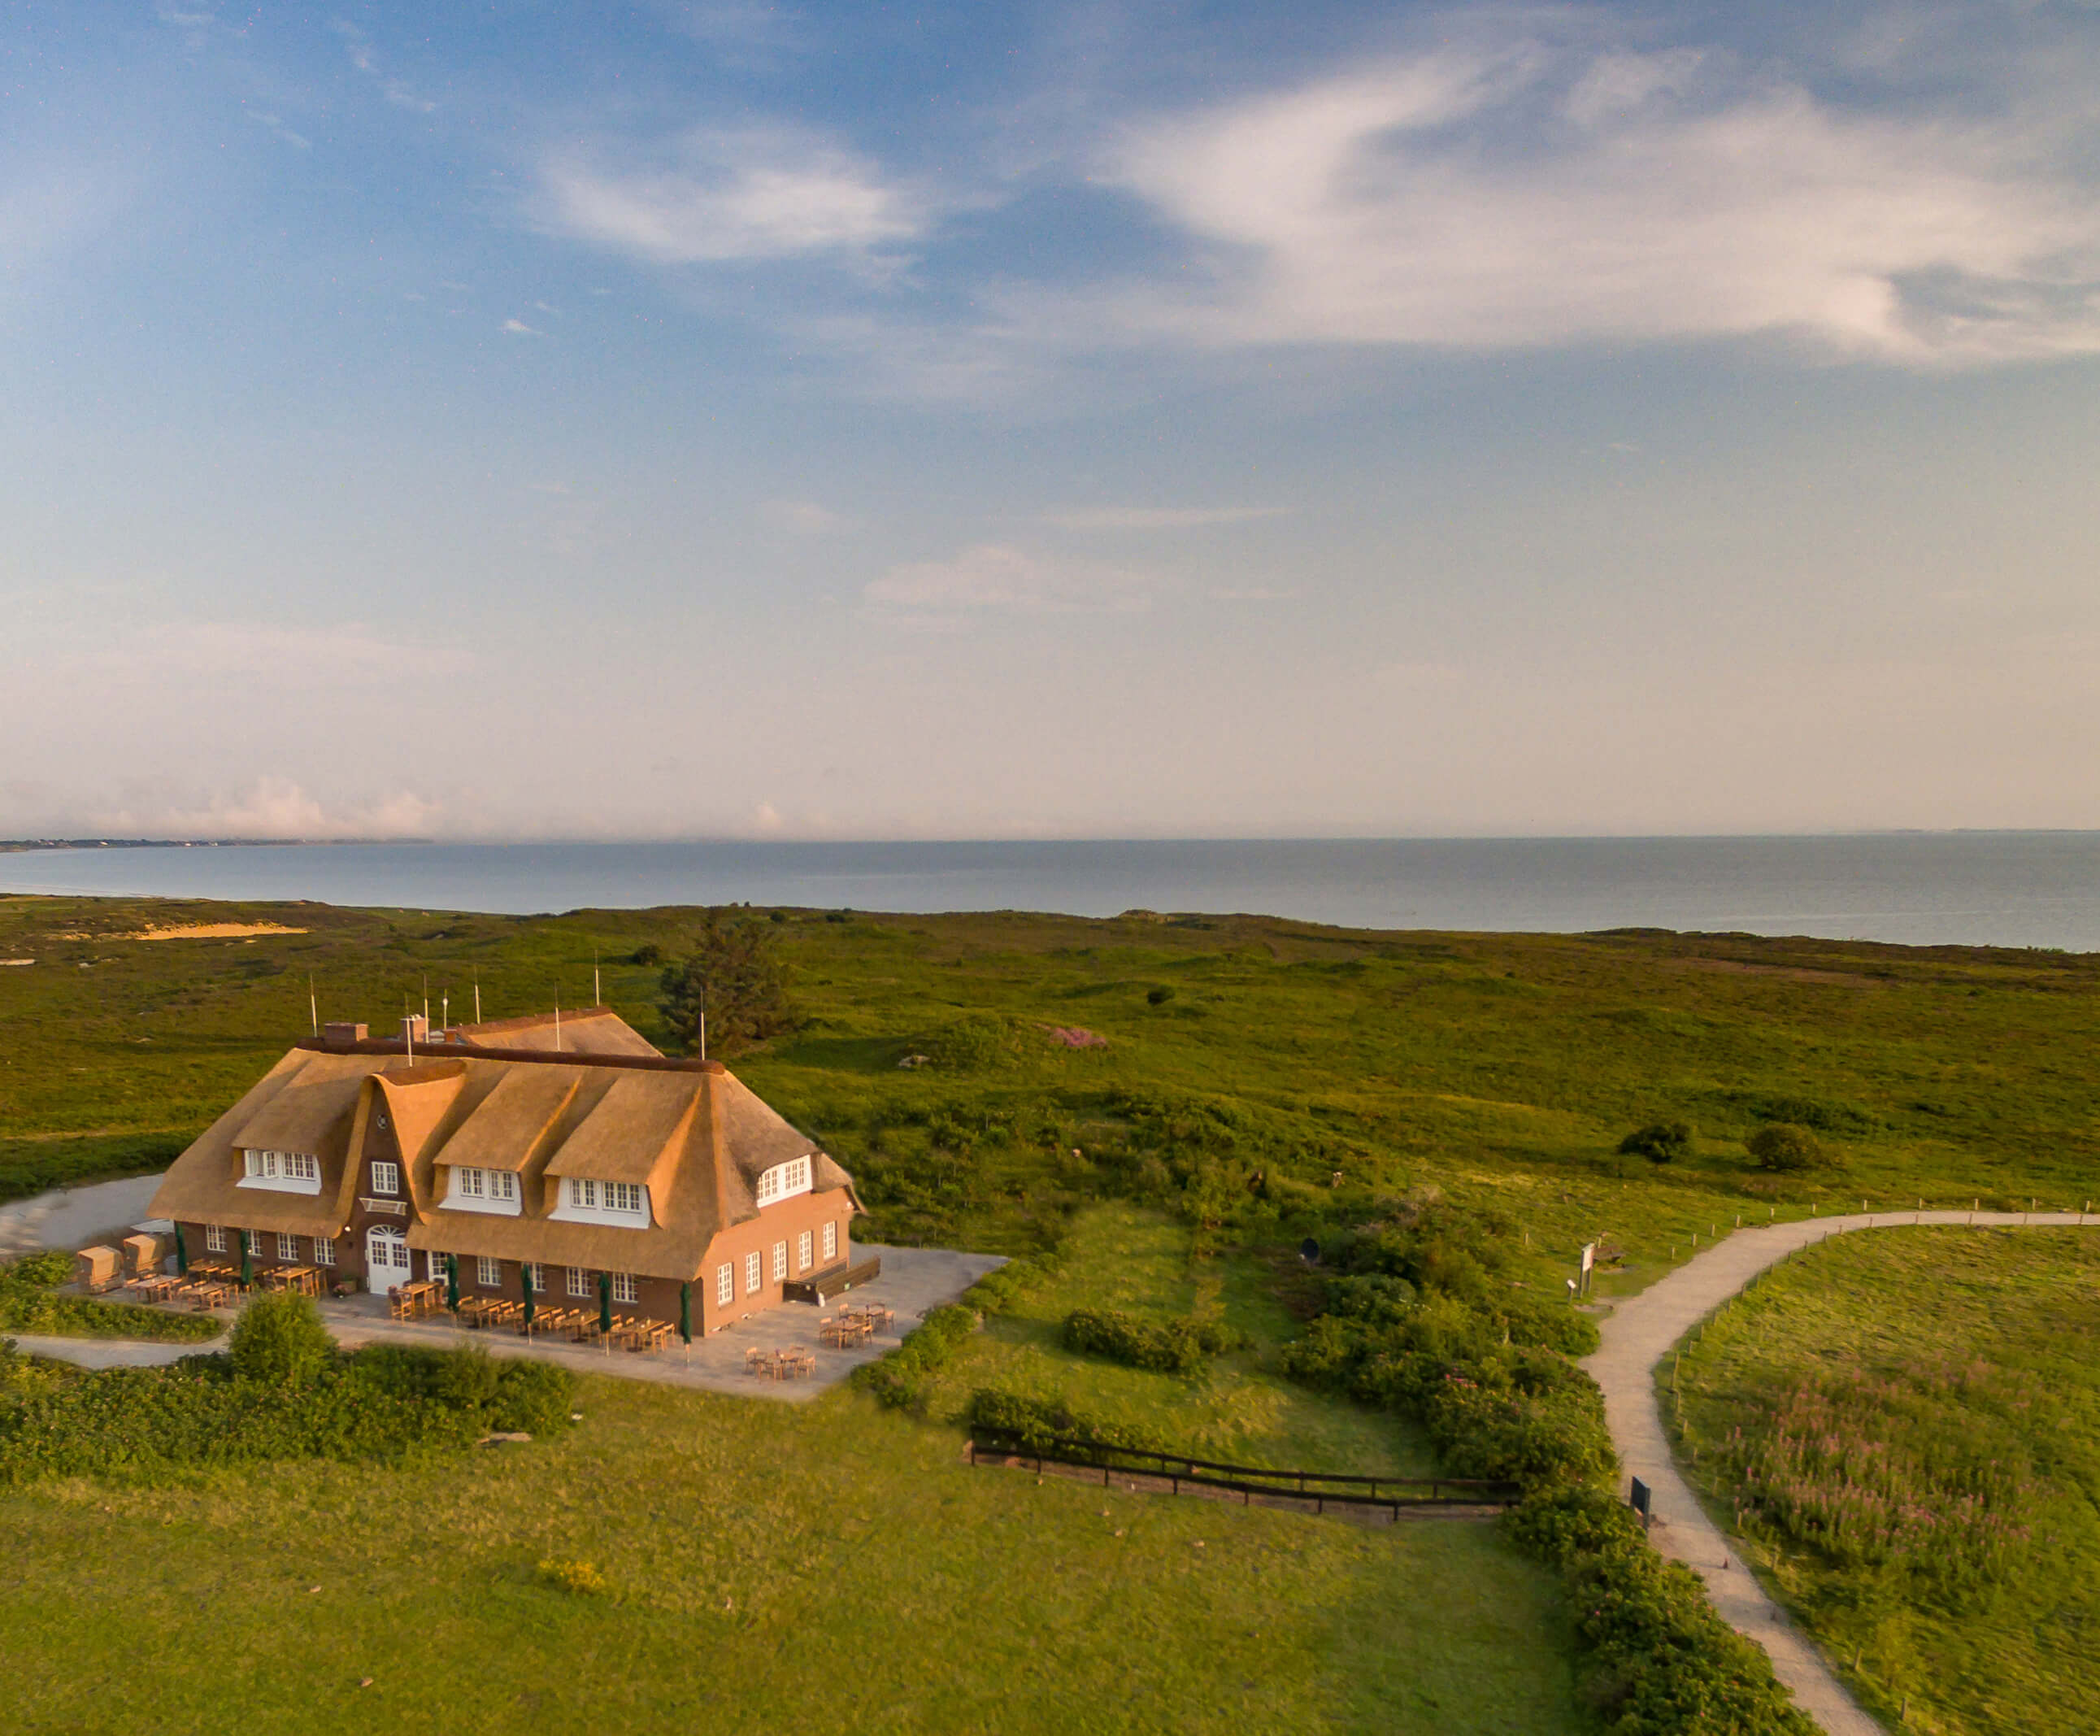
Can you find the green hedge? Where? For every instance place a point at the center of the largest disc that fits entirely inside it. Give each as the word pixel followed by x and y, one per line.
pixel 1168 1346
pixel 1660 1663
pixel 384 1402
pixel 1422 1318
pixel 902 1378
pixel 28 1304
pixel 1040 1422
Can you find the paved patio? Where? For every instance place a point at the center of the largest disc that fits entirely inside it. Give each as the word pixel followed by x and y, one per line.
pixel 913 1280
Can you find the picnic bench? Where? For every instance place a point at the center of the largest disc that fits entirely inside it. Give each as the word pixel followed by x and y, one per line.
pixel 794 1363
pixel 844 1332
pixel 821 1287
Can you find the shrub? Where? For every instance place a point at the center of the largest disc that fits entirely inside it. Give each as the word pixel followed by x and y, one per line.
pixel 1167 1347
pixel 29 1303
pixel 647 954
pixel 1659 1142
pixel 1158 997
pixel 1039 1422
pixel 279 1341
pixel 534 1397
pixel 1785 1146
pixel 902 1379
pixel 579 1578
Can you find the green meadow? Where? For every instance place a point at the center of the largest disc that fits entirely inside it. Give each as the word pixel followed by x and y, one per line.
pixel 837 1566
pixel 1902 1429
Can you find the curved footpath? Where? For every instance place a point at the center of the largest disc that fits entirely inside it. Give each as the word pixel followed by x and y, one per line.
pixel 1639 1332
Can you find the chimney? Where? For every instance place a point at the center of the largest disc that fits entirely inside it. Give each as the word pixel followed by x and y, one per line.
pixel 340 1031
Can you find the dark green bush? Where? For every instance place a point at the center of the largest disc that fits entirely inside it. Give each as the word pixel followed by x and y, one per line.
pixel 534 1396
pixel 385 1403
pixel 901 1378
pixel 1784 1146
pixel 1168 1346
pixel 279 1341
pixel 29 1303
pixel 1659 1142
pixel 1039 1422
pixel 1158 997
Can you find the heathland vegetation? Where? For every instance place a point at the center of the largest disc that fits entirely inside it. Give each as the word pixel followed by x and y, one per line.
pixel 1153 1114
pixel 1902 1429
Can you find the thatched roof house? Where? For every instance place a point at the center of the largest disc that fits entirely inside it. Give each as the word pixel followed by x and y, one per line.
pixel 490 1144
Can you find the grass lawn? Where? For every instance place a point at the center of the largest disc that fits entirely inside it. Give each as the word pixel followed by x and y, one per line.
pixel 772 1567
pixel 1240 1409
pixel 1919 1448
pixel 835 1567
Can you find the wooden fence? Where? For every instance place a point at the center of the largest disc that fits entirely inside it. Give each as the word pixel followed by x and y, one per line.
pixel 1320 1489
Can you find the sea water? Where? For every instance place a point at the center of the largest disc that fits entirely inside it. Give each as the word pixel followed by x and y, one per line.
pixel 2000 889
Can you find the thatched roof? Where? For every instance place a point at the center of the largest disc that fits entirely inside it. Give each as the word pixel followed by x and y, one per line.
pixel 583 1031
pixel 696 1136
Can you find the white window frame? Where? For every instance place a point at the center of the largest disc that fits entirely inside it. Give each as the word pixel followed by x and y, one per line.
pixel 473 1189
pixel 252 1239
pixel 386 1178
pixel 626 1289
pixel 751 1270
pixel 779 1261
pixel 783 1182
pixel 288 1247
pixel 725 1284
pixel 830 1239
pixel 532 1276
pixel 487 1272
pixel 215 1239
pixel 619 1205
pixel 281 1172
pixel 803 1254
pixel 323 1251
pixel 437 1266
pixel 579 1281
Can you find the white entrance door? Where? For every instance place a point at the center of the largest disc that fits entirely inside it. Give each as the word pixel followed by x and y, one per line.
pixel 385 1258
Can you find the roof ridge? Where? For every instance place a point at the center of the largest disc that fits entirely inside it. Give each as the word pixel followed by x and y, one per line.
pixel 477 1052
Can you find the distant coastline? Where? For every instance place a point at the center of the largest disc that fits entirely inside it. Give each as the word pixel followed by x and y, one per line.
pixel 13 846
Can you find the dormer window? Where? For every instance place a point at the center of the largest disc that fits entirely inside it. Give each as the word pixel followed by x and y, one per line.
pixel 281 1172
pixel 784 1181
pixel 586 1199
pixel 478 1189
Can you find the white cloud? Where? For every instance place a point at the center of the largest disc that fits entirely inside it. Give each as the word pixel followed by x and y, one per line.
pixel 274 126
pixel 1542 195
pixel 518 328
pixel 712 195
pixel 997 575
pixel 278 807
pixel 400 94
pixel 1155 518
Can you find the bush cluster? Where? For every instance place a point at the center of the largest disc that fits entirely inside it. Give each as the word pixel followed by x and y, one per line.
pixel 1040 1422
pixel 902 1379
pixel 29 1304
pixel 1659 1142
pixel 273 1401
pixel 1660 1663
pixel 1786 1145
pixel 1420 1319
pixel 1166 1346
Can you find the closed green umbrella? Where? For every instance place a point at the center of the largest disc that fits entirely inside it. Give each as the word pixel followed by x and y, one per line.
pixel 605 1301
pixel 182 1254
pixel 686 1312
pixel 452 1282
pixel 525 1284
pixel 247 1261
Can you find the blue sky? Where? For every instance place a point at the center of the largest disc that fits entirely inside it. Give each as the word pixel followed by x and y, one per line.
pixel 537 420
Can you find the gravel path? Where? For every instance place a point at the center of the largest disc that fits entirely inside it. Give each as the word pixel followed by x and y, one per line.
pixel 1639 1333
pixel 71 1217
